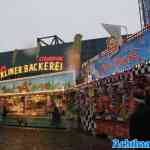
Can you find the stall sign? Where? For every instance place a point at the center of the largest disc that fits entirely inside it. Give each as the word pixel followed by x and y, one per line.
pixel 50 59
pixel 29 68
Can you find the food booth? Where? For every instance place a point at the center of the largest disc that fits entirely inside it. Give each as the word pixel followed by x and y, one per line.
pixel 29 100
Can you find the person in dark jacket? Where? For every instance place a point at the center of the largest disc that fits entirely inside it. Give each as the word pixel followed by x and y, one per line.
pixel 139 122
pixel 4 113
pixel 56 118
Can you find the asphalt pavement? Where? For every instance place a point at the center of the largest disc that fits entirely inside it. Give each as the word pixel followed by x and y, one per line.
pixel 12 138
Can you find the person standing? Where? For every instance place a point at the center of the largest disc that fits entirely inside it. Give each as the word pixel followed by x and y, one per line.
pixel 50 107
pixel 56 118
pixel 4 112
pixel 139 123
pixel 1 108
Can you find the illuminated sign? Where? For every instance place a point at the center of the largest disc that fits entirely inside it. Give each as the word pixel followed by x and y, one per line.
pixel 50 58
pixel 36 67
pixel 2 68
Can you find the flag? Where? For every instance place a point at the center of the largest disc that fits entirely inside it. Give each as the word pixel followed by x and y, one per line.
pixel 73 54
pixel 14 56
pixel 77 42
pixel 32 52
pixel 113 30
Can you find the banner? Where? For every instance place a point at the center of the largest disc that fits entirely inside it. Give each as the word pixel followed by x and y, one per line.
pixel 132 53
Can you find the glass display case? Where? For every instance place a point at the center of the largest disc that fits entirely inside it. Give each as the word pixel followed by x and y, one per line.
pixel 34 105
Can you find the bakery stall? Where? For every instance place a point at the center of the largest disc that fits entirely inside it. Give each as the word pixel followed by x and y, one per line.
pixel 30 101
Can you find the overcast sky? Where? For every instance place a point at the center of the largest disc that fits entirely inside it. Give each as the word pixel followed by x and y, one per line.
pixel 22 21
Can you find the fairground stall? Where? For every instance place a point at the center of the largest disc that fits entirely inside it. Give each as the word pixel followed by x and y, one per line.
pixel 27 96
pixel 29 101
pixel 106 98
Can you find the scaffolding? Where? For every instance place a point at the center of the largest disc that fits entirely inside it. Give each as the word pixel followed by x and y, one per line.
pixel 49 41
pixel 144 10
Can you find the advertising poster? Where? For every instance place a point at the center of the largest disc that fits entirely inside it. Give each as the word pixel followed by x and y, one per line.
pixel 54 81
pixel 127 56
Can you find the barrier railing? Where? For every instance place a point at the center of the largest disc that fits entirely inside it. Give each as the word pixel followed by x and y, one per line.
pixel 140 33
pixel 106 52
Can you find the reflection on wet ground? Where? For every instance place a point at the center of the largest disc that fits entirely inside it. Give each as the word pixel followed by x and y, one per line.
pixel 46 139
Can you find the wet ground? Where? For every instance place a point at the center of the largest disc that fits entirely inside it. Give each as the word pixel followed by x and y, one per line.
pixel 48 139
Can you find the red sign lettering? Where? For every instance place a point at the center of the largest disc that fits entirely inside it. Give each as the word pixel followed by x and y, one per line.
pixel 2 68
pixel 50 59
